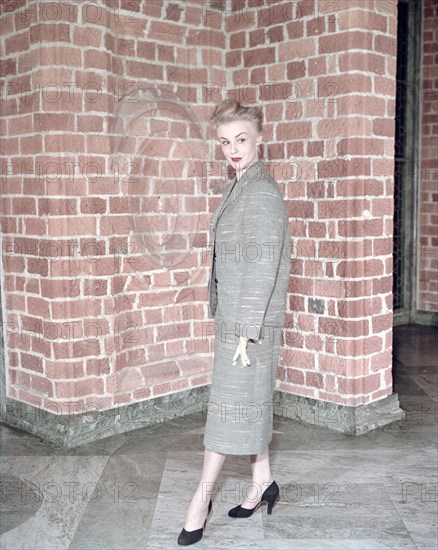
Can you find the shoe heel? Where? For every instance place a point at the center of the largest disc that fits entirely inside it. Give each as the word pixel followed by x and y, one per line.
pixel 271 505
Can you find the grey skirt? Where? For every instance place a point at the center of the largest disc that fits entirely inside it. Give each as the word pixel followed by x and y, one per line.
pixel 239 413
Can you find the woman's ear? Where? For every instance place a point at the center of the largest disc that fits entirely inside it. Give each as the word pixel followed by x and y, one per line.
pixel 259 139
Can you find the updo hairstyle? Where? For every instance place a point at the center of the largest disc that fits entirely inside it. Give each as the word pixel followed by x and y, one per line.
pixel 231 110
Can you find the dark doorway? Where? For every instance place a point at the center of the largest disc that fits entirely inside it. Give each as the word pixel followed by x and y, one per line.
pixel 406 169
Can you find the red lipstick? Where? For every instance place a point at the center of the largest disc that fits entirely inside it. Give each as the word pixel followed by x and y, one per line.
pixel 236 159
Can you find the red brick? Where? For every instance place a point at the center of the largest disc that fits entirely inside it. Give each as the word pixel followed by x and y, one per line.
pixel 361 19
pixel 64 143
pixel 87 36
pixel 17 43
pixel 63 226
pixel 385 86
pixel 38 307
pixel 96 59
pixel 90 123
pixel 20 125
pixel 345 84
pixel 383 127
pixel 303 209
pixel 57 207
pixel 382 322
pixel 39 266
pixel 305 8
pixel 381 361
pixel 144 70
pixel 360 228
pixel 359 187
pixel 50 32
pixel 147 49
pixel 56 99
pixel 234 58
pixel 93 205
pixel 355 104
pixel 27 61
pixel 31 145
pixel 385 44
pixel 99 144
pixel 295 29
pixel 382 207
pixel 73 309
pixel 203 37
pixel 130 6
pixel 8 67
pixel 314 379
pixel 316 26
pixel 346 40
pixel 49 122
pixel 6 24
pixel 31 362
pixel 359 386
pixel 76 388
pixel 257 38
pixel 365 307
pixel 237 40
pixel 61 55
pixel 351 126
pixel 294 375
pixel 167 32
pixel 360 146
pixel 60 370
pixel 13 264
pixel 362 61
pixel 293 130
pixel 342 5
pixel 24 205
pixel 261 56
pixel 317 66
pixel 239 20
pixel 296 70
pixel 51 78
pixel 315 148
pixel 186 74
pixel 173 12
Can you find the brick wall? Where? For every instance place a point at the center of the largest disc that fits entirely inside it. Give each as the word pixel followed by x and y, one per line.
pixel 105 199
pixel 325 75
pixel 427 298
pixel 104 261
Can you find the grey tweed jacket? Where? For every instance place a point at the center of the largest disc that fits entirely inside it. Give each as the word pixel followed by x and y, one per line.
pixel 250 237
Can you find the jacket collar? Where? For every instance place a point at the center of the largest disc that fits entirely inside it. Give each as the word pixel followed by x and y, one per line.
pixel 253 172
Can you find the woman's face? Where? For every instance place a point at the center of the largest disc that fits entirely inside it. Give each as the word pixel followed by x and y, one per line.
pixel 239 141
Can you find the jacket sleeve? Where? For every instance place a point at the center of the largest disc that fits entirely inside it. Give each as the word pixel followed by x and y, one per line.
pixel 260 255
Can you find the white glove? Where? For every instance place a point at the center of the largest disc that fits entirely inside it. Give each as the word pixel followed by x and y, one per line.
pixel 241 350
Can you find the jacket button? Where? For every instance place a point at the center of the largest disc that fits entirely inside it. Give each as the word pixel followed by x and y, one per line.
pixel 216 281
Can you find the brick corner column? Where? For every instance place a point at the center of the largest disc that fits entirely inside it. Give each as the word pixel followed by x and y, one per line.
pixel 337 356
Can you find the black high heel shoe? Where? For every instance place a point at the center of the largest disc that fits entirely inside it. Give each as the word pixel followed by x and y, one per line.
pixel 269 495
pixel 190 537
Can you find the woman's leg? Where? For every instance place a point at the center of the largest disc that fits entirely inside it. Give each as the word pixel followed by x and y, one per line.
pixel 198 507
pixel 261 478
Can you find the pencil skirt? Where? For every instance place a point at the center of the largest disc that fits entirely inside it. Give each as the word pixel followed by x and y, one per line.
pixel 239 412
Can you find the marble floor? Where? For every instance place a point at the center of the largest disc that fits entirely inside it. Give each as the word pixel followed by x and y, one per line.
pixel 370 492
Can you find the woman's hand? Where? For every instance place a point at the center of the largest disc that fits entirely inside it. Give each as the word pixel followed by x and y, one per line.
pixel 241 350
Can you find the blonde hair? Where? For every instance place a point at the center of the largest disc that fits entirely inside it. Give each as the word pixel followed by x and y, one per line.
pixel 231 110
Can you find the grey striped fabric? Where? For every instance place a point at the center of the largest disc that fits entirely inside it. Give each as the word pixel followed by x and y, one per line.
pixel 248 285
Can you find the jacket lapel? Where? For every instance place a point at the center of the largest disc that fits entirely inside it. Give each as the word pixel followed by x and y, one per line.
pixel 257 168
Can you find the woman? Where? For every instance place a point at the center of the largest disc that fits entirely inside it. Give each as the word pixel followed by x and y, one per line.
pixel 247 298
